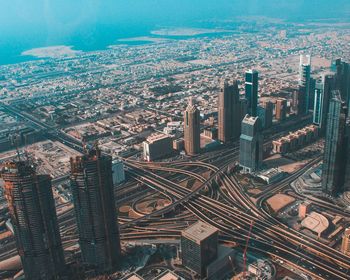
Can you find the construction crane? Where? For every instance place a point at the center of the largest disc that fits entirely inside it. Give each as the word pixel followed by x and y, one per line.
pixel 246 249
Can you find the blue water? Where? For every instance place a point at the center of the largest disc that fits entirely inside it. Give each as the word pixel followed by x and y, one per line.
pixel 87 38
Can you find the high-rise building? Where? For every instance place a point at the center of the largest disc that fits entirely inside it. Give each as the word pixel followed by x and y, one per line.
pixel 251 144
pixel 295 96
pixel 281 109
pixel 229 112
pixel 305 80
pixel 157 146
pixel 192 129
pixel 345 246
pixel 301 103
pixel 33 216
pixel 199 247
pixel 328 87
pixel 118 171
pixel 267 122
pixel 335 151
pixel 318 104
pixel 95 209
pixel 346 149
pixel 251 91
pixel 343 80
pixel 312 93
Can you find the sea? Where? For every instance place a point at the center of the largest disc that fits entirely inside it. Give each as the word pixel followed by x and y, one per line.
pixel 86 38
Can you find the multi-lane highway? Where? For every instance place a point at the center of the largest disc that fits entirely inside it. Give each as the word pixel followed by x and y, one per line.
pixel 226 207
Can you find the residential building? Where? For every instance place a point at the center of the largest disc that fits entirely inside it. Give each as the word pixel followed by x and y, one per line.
pixel 34 220
pixel 95 210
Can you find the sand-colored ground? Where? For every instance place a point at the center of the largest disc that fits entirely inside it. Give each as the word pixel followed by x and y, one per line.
pixel 285 164
pixel 279 201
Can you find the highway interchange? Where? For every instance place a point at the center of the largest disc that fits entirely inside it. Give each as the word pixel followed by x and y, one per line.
pixel 220 200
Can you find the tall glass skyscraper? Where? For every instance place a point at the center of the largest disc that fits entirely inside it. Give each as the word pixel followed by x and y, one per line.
pixel 251 91
pixel 251 144
pixel 305 82
pixel 229 116
pixel 343 80
pixel 318 103
pixel 335 151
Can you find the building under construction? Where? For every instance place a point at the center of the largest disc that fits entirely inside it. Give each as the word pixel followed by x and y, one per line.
pixel 34 220
pixel 94 204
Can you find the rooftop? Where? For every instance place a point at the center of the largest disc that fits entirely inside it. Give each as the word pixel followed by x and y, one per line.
pixel 315 222
pixel 156 137
pixel 199 231
pixel 249 119
pixel 168 275
pixel 133 277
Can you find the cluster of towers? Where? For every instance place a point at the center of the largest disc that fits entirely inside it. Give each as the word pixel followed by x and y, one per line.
pixel 33 215
pixel 237 119
pixel 329 98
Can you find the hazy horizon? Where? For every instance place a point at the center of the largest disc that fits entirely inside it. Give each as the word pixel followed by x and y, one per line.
pixel 95 23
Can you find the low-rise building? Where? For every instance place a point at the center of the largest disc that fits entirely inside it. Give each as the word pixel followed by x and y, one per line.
pixel 157 146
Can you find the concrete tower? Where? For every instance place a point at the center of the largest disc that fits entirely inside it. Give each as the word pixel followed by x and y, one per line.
pixel 229 112
pixel 95 209
pixel 33 216
pixel 192 129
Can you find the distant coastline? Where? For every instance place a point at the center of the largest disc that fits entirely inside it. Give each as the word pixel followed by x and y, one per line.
pixel 187 31
pixel 71 49
pixel 52 52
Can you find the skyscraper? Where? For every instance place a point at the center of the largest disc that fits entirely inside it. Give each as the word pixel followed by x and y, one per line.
pixel 268 114
pixel 229 112
pixel 343 80
pixel 95 209
pixel 251 91
pixel 33 216
pixel 304 80
pixel 328 87
pixel 318 104
pixel 281 109
pixel 335 151
pixel 301 103
pixel 192 129
pixel 346 149
pixel 251 144
pixel 199 247
pixel 312 93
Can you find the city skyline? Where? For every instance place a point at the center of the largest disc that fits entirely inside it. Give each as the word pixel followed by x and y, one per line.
pixel 190 140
